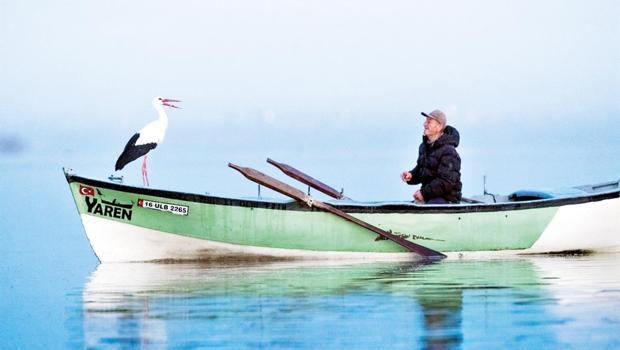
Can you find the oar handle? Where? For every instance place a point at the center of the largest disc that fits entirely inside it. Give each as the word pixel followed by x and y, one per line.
pixel 269 182
pixel 306 179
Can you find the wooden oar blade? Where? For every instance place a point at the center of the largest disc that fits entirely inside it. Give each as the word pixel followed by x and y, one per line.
pixel 306 179
pixel 411 246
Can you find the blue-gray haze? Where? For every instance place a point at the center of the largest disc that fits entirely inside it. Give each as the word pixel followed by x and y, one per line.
pixel 334 88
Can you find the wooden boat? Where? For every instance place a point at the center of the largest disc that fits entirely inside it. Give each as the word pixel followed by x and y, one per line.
pixel 126 223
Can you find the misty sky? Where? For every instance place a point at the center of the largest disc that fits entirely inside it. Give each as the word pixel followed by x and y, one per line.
pixel 333 87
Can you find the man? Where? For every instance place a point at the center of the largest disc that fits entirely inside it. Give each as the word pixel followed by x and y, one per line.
pixel 438 168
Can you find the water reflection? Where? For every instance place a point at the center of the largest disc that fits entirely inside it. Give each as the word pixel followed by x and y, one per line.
pixel 322 305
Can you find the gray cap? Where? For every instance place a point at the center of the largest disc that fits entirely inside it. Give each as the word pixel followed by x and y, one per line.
pixel 438 116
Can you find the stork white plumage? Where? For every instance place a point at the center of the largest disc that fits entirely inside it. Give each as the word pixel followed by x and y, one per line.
pixel 147 138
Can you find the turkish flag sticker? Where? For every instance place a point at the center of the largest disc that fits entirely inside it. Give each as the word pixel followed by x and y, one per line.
pixel 87 191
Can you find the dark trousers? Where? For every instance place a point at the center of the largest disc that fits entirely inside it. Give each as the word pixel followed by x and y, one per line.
pixel 438 200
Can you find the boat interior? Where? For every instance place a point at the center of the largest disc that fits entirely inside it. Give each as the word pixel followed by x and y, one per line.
pixel 531 195
pixel 524 195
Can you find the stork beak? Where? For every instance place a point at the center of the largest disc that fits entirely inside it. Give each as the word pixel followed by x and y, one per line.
pixel 166 102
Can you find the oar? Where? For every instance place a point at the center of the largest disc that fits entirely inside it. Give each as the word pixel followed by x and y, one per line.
pixel 307 179
pixel 300 196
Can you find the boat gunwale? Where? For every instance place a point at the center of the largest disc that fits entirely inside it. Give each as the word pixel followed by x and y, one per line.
pixel 358 208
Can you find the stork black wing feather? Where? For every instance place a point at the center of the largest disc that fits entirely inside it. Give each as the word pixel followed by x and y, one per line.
pixel 133 152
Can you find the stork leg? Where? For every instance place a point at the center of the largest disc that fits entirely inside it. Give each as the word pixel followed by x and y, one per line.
pixel 145 175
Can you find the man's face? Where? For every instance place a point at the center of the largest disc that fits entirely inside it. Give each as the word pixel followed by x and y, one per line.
pixel 432 128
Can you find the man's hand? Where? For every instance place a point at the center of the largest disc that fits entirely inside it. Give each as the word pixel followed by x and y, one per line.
pixel 406 176
pixel 418 196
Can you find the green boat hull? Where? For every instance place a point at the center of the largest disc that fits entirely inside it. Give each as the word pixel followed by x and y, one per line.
pixel 111 213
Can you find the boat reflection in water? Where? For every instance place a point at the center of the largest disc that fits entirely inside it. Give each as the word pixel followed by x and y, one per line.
pixel 450 304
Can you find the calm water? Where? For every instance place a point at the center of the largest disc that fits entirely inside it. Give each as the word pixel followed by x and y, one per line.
pixel 522 303
pixel 55 295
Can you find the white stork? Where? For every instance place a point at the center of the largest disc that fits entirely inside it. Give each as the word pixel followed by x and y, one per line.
pixel 147 138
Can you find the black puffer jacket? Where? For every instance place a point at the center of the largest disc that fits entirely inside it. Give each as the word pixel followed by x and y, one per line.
pixel 439 167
